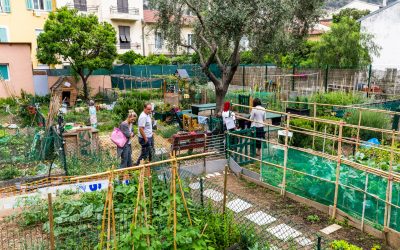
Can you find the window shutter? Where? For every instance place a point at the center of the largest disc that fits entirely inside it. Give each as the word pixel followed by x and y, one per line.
pixel 48 5
pixel 128 33
pixel 29 4
pixel 3 35
pixel 6 6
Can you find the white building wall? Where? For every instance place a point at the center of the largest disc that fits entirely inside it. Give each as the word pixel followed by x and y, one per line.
pixel 385 26
pixel 103 10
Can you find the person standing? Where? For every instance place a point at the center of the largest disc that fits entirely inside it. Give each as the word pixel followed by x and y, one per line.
pixel 258 118
pixel 145 134
pixel 92 114
pixel 228 117
pixel 125 152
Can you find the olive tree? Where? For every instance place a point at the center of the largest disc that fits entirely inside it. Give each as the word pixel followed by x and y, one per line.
pixel 221 26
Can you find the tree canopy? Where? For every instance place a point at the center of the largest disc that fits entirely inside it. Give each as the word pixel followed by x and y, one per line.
pixel 78 39
pixel 222 26
pixel 350 13
pixel 345 46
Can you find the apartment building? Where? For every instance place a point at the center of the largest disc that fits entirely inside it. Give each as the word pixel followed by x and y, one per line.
pixel 153 41
pixel 22 21
pixel 124 15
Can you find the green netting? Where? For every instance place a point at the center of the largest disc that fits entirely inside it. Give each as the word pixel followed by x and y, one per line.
pixel 313 177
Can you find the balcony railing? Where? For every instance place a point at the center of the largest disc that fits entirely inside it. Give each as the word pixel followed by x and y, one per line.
pixel 132 45
pixel 84 7
pixel 120 13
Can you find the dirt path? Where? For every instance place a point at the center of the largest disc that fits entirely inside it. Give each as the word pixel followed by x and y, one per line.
pixel 296 212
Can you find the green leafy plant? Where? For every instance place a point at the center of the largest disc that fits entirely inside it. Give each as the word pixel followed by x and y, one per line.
pixel 313 218
pixel 343 245
pixel 9 172
pixel 369 119
pixel 335 98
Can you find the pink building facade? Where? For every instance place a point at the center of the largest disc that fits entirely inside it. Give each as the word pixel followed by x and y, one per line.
pixel 15 69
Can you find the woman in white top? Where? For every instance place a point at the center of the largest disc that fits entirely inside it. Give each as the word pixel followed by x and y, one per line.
pixel 257 117
pixel 228 117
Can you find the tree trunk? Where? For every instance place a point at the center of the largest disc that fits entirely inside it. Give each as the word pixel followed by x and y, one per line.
pixel 219 98
pixel 85 89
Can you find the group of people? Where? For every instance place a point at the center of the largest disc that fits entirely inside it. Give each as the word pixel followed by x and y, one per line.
pixel 145 137
pixel 257 117
pixel 145 130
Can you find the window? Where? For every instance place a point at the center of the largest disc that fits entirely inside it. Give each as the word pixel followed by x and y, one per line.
pixel 80 5
pixel 190 39
pixel 39 5
pixel 5 6
pixel 122 6
pixel 4 72
pixel 125 37
pixel 3 35
pixel 158 40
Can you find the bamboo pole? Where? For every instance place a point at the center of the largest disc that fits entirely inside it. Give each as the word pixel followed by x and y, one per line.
pixel 51 221
pixel 389 185
pixel 285 159
pixel 225 188
pixel 323 145
pixel 339 158
pixel 174 200
pixel 315 124
pixel 358 130
pixel 183 196
pixel 150 182
pixel 364 202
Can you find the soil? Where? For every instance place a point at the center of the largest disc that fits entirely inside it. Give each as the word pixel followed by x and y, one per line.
pixel 297 212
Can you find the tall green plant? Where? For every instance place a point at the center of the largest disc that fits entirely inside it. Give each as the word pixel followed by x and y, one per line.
pixel 369 119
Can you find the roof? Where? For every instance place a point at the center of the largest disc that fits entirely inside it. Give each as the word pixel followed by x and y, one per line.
pixel 378 11
pixel 150 16
pixel 182 73
pixel 16 43
pixel 360 5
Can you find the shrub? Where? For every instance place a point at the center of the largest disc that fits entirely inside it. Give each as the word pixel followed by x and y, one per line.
pixel 9 172
pixel 335 98
pixel 369 119
pixel 153 60
pixel 129 57
pixel 168 131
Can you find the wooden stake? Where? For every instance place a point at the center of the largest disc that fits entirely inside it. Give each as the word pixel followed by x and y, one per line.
pixel 150 181
pixel 183 196
pixel 225 187
pixel 285 159
pixel 364 202
pixel 389 184
pixel 51 222
pixel 339 159
pixel 358 129
pixel 174 200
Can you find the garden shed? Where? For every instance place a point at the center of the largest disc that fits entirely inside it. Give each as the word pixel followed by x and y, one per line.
pixel 67 89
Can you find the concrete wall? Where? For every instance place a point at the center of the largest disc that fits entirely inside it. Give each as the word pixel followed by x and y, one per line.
pixel 385 26
pixel 18 58
pixel 96 83
pixel 23 24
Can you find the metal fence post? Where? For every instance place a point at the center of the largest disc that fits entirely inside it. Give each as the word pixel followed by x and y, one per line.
pixel 201 192
pixel 225 187
pixel 319 242
pixel 339 159
pixel 51 221
pixel 243 77
pixel 293 73
pixel 369 79
pixel 326 78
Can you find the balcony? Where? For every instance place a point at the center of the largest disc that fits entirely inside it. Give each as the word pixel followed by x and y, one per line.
pixel 124 47
pixel 84 8
pixel 158 50
pixel 124 14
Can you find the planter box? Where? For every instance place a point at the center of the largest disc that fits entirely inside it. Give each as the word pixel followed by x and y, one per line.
pixel 305 112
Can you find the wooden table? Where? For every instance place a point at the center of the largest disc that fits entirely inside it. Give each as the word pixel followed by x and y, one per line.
pixel 196 108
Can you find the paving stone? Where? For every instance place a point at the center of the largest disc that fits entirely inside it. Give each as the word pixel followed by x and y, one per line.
pixel 195 185
pixel 210 175
pixel 330 229
pixel 261 218
pixel 284 232
pixel 213 195
pixel 217 174
pixel 238 205
pixel 303 241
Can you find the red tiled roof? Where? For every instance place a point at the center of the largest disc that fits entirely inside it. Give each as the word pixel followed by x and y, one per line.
pixel 327 23
pixel 150 16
